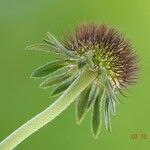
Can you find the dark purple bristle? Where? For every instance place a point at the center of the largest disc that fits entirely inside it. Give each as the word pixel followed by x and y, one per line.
pixel 112 45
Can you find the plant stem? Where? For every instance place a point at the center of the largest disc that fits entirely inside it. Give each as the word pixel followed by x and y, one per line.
pixel 50 113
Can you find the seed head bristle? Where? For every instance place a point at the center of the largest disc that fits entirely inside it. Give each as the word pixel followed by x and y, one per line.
pixel 112 48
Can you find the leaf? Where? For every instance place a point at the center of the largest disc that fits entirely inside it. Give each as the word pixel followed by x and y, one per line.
pixel 52 41
pixel 53 81
pixel 112 104
pixel 92 95
pixel 62 87
pixel 47 69
pixel 111 91
pixel 103 75
pixel 45 48
pixel 96 118
pixel 59 72
pixel 81 106
pixel 81 63
pixel 39 47
pixel 57 77
pixel 113 107
pixel 107 115
pixel 97 113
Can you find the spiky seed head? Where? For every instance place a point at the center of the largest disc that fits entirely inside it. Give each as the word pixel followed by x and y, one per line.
pixel 107 48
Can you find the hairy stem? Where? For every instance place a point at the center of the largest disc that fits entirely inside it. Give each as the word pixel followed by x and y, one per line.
pixel 50 113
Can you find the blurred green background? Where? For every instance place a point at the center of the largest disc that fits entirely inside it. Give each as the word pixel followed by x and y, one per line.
pixel 23 22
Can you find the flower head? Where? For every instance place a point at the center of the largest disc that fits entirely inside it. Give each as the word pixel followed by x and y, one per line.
pixel 93 47
pixel 107 48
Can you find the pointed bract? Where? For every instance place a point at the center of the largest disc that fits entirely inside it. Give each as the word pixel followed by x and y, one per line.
pixel 47 69
pixel 81 106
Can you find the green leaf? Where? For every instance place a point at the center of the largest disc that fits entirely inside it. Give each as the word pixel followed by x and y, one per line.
pixel 53 42
pixel 92 95
pixel 58 77
pixel 96 118
pixel 53 81
pixel 81 63
pixel 49 68
pixel 39 47
pixel 81 106
pixel 103 75
pixel 97 113
pixel 113 107
pixel 112 102
pixel 63 86
pixel 111 91
pixel 61 71
pixel 107 115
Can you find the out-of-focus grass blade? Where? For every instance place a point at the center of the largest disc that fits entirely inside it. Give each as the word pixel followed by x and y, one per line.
pixel 63 86
pixel 49 68
pixel 81 106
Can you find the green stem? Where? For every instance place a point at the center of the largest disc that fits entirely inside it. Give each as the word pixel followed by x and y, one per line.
pixel 50 113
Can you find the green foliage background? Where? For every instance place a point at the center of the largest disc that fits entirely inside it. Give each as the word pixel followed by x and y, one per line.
pixel 25 22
